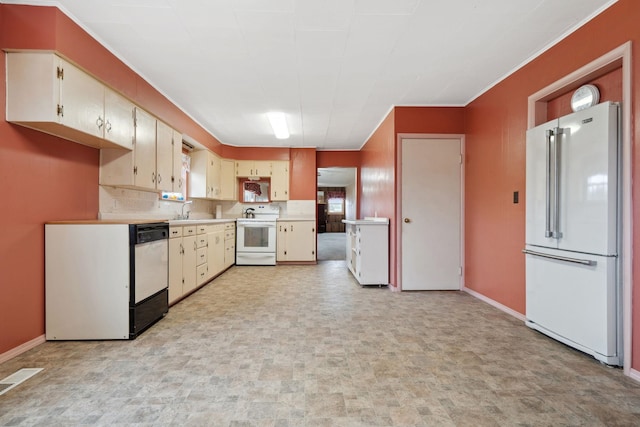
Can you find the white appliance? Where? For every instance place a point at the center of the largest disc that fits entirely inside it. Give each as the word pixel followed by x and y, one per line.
pixel 256 236
pixel 104 280
pixel 572 236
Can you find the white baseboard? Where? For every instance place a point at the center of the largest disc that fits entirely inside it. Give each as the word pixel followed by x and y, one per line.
pixel 22 348
pixel 634 375
pixel 495 304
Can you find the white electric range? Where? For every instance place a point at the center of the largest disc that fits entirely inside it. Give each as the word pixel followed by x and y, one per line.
pixel 256 236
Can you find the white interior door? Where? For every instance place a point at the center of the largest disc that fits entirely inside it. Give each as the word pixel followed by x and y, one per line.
pixel 431 223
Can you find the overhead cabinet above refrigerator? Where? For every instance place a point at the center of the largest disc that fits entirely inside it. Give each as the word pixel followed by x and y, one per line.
pixel 572 231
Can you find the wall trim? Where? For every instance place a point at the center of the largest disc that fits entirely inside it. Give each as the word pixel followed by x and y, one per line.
pixel 494 303
pixel 634 375
pixel 399 138
pixel 22 348
pixel 619 57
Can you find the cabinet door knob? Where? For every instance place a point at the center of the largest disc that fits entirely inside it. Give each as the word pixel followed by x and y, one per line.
pixel 407 220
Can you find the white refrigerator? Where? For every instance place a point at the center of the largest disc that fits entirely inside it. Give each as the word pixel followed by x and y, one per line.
pixel 572 231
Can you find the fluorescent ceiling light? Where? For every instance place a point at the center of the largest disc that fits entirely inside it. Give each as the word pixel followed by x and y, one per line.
pixel 279 124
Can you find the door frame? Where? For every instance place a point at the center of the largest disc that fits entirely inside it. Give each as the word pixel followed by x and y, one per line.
pixel 400 137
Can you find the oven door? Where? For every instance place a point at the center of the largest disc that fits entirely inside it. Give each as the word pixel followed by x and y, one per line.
pixel 256 236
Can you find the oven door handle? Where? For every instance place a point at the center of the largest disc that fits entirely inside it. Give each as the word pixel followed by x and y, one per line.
pixel 258 225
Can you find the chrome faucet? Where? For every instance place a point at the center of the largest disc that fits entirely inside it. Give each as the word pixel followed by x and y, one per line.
pixel 182 215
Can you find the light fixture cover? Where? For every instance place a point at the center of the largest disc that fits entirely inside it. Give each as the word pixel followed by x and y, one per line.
pixel 279 124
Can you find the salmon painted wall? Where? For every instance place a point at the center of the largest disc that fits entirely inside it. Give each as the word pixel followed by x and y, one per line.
pixel 338 159
pixel 496 123
pixel 433 120
pixel 302 174
pixel 377 182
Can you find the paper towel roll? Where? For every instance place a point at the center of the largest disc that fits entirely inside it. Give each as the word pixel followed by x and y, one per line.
pixel 218 211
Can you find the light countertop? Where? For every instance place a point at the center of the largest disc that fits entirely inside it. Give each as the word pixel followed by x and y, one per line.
pixel 368 221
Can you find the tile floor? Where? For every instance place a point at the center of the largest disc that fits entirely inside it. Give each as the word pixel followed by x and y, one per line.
pixel 306 346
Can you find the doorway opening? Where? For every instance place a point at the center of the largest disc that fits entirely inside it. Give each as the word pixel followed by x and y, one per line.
pixel 337 195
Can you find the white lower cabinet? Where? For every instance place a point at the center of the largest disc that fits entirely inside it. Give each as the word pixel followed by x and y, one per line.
pixel 368 250
pixel 229 244
pixel 216 250
pixel 183 259
pixel 175 263
pixel 202 270
pixel 197 254
pixel 296 241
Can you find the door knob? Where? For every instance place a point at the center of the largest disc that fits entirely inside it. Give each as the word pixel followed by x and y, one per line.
pixel 407 220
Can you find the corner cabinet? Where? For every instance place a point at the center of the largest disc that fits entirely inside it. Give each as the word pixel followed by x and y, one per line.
pixel 296 241
pixel 367 248
pixel 49 94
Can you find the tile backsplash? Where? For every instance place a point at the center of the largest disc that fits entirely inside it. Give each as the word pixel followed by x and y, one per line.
pixel 124 203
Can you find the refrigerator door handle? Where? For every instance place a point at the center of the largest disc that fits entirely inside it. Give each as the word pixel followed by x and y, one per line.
pixel 547 227
pixel 560 258
pixel 556 196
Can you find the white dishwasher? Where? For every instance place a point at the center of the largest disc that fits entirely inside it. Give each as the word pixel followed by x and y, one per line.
pixel 104 280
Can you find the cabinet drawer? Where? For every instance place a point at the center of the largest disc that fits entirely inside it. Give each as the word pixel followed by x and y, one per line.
pixel 189 230
pixel 202 228
pixel 201 256
pixel 229 226
pixel 175 232
pixel 202 273
pixel 230 235
pixel 202 240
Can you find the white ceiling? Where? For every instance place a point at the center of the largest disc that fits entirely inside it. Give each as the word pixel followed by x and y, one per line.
pixel 334 67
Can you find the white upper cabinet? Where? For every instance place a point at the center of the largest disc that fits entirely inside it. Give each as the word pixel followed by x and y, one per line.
pixel 150 165
pixel 245 168
pixel 47 93
pixel 176 148
pixel 164 157
pixel 204 179
pixel 228 181
pixel 144 168
pixel 118 119
pixel 279 180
